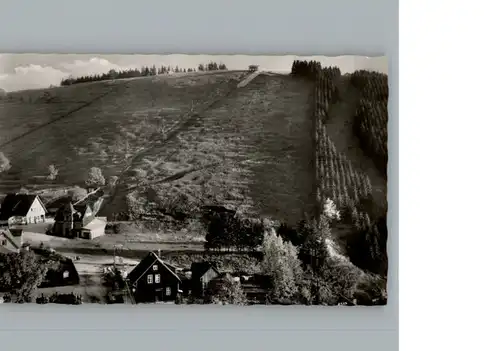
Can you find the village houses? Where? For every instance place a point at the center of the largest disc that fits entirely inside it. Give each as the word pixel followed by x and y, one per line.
pixel 154 280
pixel 11 240
pixel 79 220
pixel 22 209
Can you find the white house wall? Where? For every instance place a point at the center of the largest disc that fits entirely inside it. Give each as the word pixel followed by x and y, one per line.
pixel 36 213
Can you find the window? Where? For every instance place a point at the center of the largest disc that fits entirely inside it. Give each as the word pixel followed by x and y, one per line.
pixel 4 242
pixel 155 267
pixel 168 291
pixel 157 278
pixel 150 279
pixel 65 274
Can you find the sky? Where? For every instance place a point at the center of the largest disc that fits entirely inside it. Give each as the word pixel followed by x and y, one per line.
pixel 36 71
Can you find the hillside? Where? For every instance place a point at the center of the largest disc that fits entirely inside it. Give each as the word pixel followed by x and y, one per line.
pixel 198 135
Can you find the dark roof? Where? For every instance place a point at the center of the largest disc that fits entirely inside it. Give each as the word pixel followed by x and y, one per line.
pixel 198 269
pixel 57 203
pixel 60 263
pixel 144 265
pixel 16 205
pixel 13 236
pixel 65 207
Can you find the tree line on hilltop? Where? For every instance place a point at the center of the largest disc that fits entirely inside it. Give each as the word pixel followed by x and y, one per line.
pixel 143 72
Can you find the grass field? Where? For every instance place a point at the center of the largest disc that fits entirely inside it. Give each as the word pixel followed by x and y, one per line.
pixel 198 134
pixel 123 120
pixel 250 151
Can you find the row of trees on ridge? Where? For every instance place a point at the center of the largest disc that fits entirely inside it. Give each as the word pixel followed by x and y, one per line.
pixel 143 72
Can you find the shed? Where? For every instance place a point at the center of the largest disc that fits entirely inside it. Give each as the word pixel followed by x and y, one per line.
pixel 201 274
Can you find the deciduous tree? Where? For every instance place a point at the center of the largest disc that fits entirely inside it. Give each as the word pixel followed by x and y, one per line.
pixel 77 193
pixel 95 178
pixel 280 261
pixel 21 274
pixel 4 163
pixel 227 291
pixel 53 172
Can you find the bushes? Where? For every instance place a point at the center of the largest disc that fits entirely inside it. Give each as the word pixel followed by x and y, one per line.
pixel 225 291
pixel 95 178
pixel 64 299
pixel 226 230
pixel 53 172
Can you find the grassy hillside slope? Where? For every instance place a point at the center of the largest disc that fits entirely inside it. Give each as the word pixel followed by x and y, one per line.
pixel 197 135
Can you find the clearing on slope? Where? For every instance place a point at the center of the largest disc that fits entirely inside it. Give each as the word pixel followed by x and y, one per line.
pixel 251 150
pixel 105 133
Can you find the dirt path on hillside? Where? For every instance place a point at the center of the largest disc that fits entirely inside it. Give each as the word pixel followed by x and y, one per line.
pixel 340 129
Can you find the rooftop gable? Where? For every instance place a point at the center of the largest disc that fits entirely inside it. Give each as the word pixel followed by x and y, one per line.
pixel 199 269
pixel 17 205
pixel 146 263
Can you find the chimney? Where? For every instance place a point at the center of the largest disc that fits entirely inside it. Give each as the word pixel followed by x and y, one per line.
pixel 159 253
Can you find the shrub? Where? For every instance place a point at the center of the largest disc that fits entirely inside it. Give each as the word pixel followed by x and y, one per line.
pixel 226 291
pixel 95 178
pixel 53 172
pixel 66 299
pixel 229 230
pixel 77 194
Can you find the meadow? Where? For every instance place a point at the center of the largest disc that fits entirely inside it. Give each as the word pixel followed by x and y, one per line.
pixel 199 135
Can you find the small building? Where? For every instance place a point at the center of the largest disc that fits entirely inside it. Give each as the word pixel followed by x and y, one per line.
pixel 201 274
pixel 93 229
pixel 11 240
pixel 253 68
pixel 62 271
pixel 154 280
pixel 22 209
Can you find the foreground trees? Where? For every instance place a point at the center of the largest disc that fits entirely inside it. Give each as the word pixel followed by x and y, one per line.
pixel 227 230
pixel 227 292
pixel 280 262
pixel 20 275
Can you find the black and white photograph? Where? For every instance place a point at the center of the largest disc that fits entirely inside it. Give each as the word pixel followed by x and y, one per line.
pixel 193 179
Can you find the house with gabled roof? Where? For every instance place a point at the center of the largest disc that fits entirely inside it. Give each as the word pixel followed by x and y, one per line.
pixel 22 209
pixel 78 220
pixel 11 240
pixel 154 280
pixel 201 274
